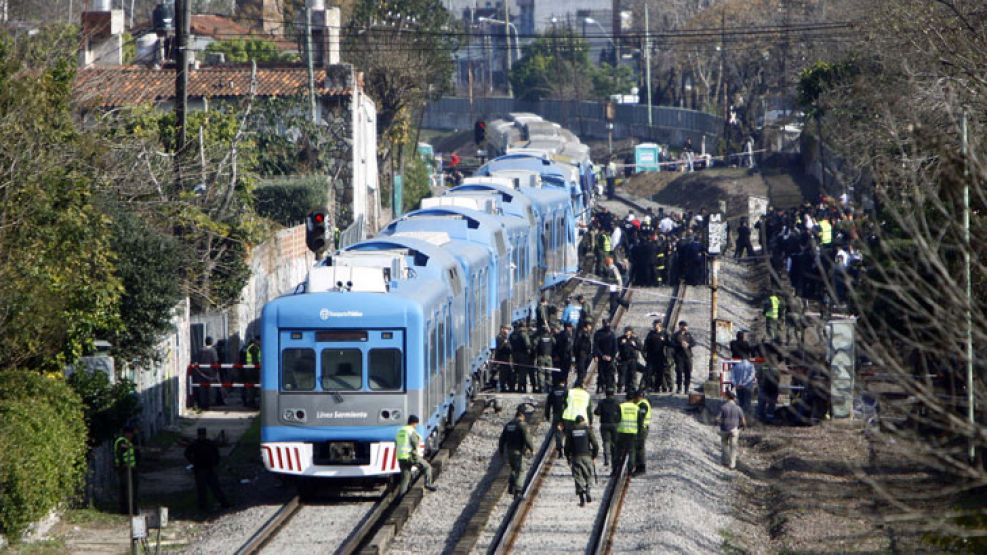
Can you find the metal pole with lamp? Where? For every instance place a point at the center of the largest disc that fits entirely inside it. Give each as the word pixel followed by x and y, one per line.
pixel 508 26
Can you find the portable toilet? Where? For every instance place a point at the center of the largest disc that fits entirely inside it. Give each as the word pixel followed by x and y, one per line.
pixel 646 158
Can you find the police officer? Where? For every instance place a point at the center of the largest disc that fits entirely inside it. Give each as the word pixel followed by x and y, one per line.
pixel 502 358
pixel 544 313
pixel 203 454
pixel 654 354
pixel 608 410
pixel 554 406
pixel 605 354
pixel 544 349
pixel 563 352
pixel 586 314
pixel 628 347
pixel 125 461
pixel 407 443
pixel 521 355
pixel 583 350
pixel 773 309
pixel 581 448
pixel 577 403
pixel 641 400
pixel 514 442
pixel 630 422
pixel 683 342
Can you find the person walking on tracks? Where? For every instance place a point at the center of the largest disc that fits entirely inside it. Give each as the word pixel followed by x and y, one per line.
pixel 577 403
pixel 628 349
pixel 554 406
pixel 608 410
pixel 583 350
pixel 514 442
pixel 203 453
pixel 654 348
pixel 631 416
pixel 731 421
pixel 125 458
pixel 641 400
pixel 683 342
pixel 407 443
pixel 502 359
pixel 581 449
pixel 605 353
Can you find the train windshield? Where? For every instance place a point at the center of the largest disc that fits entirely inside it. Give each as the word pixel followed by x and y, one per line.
pixel 343 361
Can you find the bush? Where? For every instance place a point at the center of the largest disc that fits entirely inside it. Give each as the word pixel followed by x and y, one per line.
pixel 42 447
pixel 288 200
pixel 107 407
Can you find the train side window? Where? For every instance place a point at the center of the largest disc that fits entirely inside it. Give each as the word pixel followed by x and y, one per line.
pixel 298 369
pixel 342 369
pixel 385 369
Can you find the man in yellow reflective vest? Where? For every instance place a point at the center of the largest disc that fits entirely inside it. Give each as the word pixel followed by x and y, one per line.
pixel 125 461
pixel 641 400
pixel 772 312
pixel 408 444
pixel 577 403
pixel 631 417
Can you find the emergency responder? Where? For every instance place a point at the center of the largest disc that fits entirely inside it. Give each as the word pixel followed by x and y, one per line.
pixel 605 354
pixel 205 375
pixel 514 442
pixel 611 275
pixel 502 358
pixel 554 406
pixel 683 342
pixel 631 416
pixel 654 354
pixel 608 410
pixel 203 454
pixel 600 250
pixel 583 350
pixel 563 353
pixel 661 260
pixel 407 441
pixel 577 402
pixel 641 400
pixel 628 348
pixel 544 349
pixel 586 314
pixel 544 313
pixel 251 356
pixel 744 245
pixel 581 449
pixel 521 355
pixel 772 314
pixel 125 460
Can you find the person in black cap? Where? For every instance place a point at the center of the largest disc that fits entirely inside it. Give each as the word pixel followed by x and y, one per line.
pixel 407 443
pixel 203 453
pixel 581 448
pixel 514 442
pixel 628 347
pixel 608 410
pixel 655 345
pixel 605 353
pixel 683 342
pixel 583 350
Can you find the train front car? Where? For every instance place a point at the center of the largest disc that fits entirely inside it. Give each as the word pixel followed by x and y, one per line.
pixel 370 342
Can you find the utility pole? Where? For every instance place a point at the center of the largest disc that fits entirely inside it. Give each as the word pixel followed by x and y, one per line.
pixel 507 37
pixel 714 286
pixel 647 61
pixel 183 28
pixel 969 293
pixel 308 62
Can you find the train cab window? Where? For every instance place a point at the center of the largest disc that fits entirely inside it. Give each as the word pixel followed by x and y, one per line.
pixel 384 371
pixel 298 369
pixel 342 369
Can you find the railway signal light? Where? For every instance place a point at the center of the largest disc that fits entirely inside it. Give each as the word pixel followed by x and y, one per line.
pixel 316 230
pixel 479 131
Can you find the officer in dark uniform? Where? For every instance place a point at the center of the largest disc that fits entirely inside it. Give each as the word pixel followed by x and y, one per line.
pixel 521 355
pixel 544 313
pixel 586 314
pixel 605 353
pixel 514 442
pixel 628 347
pixel 563 352
pixel 609 412
pixel 581 448
pixel 654 354
pixel 583 349
pixel 502 358
pixel 683 342
pixel 544 351
pixel 203 454
pixel 554 406
pixel 641 400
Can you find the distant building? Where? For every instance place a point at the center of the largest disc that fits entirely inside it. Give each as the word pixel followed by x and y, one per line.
pixel 103 82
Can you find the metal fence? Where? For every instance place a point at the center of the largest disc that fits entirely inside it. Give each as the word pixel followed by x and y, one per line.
pixel 586 119
pixel 352 234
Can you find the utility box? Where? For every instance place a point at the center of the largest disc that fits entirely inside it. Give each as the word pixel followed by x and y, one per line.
pixel 646 157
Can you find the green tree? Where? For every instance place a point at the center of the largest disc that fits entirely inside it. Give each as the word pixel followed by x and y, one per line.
pixel 416 183
pixel 608 80
pixel 58 289
pixel 239 51
pixel 556 66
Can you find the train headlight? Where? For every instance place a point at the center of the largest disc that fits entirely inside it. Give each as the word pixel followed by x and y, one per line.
pixel 293 415
pixel 389 414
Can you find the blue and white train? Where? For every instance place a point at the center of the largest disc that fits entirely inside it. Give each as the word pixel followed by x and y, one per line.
pixel 404 323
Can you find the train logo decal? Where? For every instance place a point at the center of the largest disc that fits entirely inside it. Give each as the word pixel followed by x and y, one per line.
pixel 324 314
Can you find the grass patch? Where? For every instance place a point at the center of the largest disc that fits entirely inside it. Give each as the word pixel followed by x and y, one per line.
pixel 44 547
pixel 92 517
pixel 247 451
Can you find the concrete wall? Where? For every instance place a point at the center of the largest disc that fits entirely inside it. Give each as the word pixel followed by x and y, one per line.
pixel 670 126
